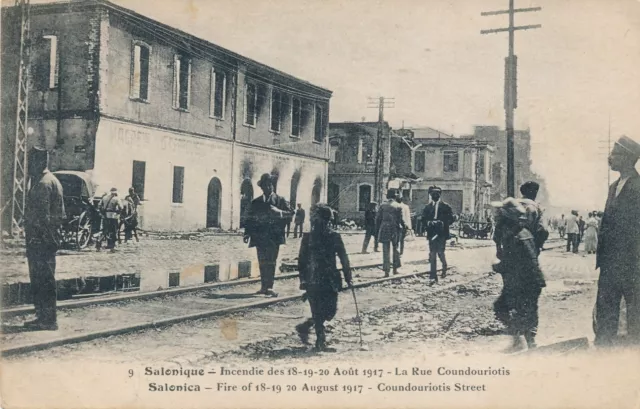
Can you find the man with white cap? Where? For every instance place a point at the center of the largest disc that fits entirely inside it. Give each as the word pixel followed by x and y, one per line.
pixel 618 254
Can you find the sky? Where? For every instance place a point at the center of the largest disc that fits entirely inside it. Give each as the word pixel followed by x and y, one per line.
pixel 576 74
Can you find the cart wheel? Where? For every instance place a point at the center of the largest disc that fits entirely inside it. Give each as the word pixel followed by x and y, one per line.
pixel 83 231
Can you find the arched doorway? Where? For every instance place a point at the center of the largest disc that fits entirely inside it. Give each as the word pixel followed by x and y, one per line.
pixel 316 191
pixel 214 194
pixel 246 196
pixel 295 181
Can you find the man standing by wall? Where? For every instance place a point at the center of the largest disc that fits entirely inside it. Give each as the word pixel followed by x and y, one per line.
pixel 389 226
pixel 618 255
pixel 44 213
pixel 265 230
pixel 299 221
pixel 437 217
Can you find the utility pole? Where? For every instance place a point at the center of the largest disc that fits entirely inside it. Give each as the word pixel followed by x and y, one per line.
pixel 22 130
pixel 510 83
pixel 383 147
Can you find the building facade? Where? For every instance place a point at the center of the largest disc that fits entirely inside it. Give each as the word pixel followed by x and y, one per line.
pixel 190 125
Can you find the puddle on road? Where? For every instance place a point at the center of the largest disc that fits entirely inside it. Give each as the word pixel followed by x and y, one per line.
pixel 15 294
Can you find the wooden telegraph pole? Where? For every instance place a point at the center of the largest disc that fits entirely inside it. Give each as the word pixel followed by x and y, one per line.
pixel 383 147
pixel 510 83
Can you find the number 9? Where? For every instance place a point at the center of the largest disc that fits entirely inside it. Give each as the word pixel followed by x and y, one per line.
pixel 130 373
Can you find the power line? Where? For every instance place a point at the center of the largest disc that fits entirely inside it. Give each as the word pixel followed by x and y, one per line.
pixel 510 83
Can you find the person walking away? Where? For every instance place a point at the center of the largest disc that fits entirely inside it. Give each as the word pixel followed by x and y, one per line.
pixel 573 231
pixel 130 219
pixel 110 209
pixel 299 221
pixel 562 226
pixel 533 212
pixel 43 216
pixel 517 306
pixel 370 227
pixel 264 230
pixel 618 252
pixel 437 217
pixel 406 220
pixel 581 227
pixel 389 227
pixel 591 234
pixel 319 275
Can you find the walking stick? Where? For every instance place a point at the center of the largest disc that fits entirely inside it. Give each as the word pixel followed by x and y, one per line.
pixel 353 291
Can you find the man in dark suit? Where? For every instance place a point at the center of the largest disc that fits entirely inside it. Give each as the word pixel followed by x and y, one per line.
pixel 265 230
pixel 389 226
pixel 618 254
pixel 437 217
pixel 44 213
pixel 299 221
pixel 370 227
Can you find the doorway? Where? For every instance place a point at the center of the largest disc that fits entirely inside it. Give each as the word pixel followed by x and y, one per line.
pixel 214 194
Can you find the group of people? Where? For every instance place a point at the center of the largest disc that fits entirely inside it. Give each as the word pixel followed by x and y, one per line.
pixel 114 214
pixel 577 230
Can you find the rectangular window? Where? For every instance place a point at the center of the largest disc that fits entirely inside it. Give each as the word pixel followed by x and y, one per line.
pixel 218 93
pixel 420 161
pixel 251 104
pixel 140 72
pixel 296 117
pixel 178 184
pixel 181 82
pixel 276 110
pixel 481 164
pixel 364 197
pixel 137 180
pixel 53 66
pixel 320 124
pixel 450 161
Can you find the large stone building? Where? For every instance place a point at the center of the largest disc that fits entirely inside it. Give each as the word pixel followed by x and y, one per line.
pixel 415 159
pixel 189 124
pixel 522 150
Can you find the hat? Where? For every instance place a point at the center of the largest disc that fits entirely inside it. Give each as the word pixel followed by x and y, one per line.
pixel 264 179
pixel 529 186
pixel 626 146
pixel 323 211
pixel 113 189
pixel 391 193
pixel 435 189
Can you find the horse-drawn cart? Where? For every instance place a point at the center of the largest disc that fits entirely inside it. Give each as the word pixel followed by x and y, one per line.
pixel 79 224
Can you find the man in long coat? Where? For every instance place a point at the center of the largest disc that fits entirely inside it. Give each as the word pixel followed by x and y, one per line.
pixel 437 217
pixel 389 226
pixel 43 216
pixel 265 230
pixel 618 254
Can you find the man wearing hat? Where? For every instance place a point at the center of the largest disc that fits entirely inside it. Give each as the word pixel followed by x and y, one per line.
pixel 110 208
pixel 618 254
pixel 265 230
pixel 370 227
pixel 389 226
pixel 44 212
pixel 437 216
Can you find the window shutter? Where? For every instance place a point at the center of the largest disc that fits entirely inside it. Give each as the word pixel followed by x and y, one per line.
pixel 135 72
pixel 176 81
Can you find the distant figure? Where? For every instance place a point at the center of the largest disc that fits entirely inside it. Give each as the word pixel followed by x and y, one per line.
pixel 591 234
pixel 581 226
pixel 43 216
pixel 437 217
pixel 618 254
pixel 130 219
pixel 110 209
pixel 370 227
pixel 406 219
pixel 298 221
pixel 389 227
pixel 264 230
pixel 573 232
pixel 562 226
pixel 517 306
pixel 319 275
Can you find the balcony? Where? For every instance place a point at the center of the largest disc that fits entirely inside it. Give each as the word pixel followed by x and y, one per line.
pixel 338 167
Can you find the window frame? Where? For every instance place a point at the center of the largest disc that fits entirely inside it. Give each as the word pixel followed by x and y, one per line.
pixel 132 95
pixel 181 186
pixel 444 162
pixel 280 93
pixel 415 161
pixel 54 69
pixel 140 192
pixel 358 204
pixel 323 128
pixel 178 59
pixel 248 83
pixel 212 93
pixel 291 134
